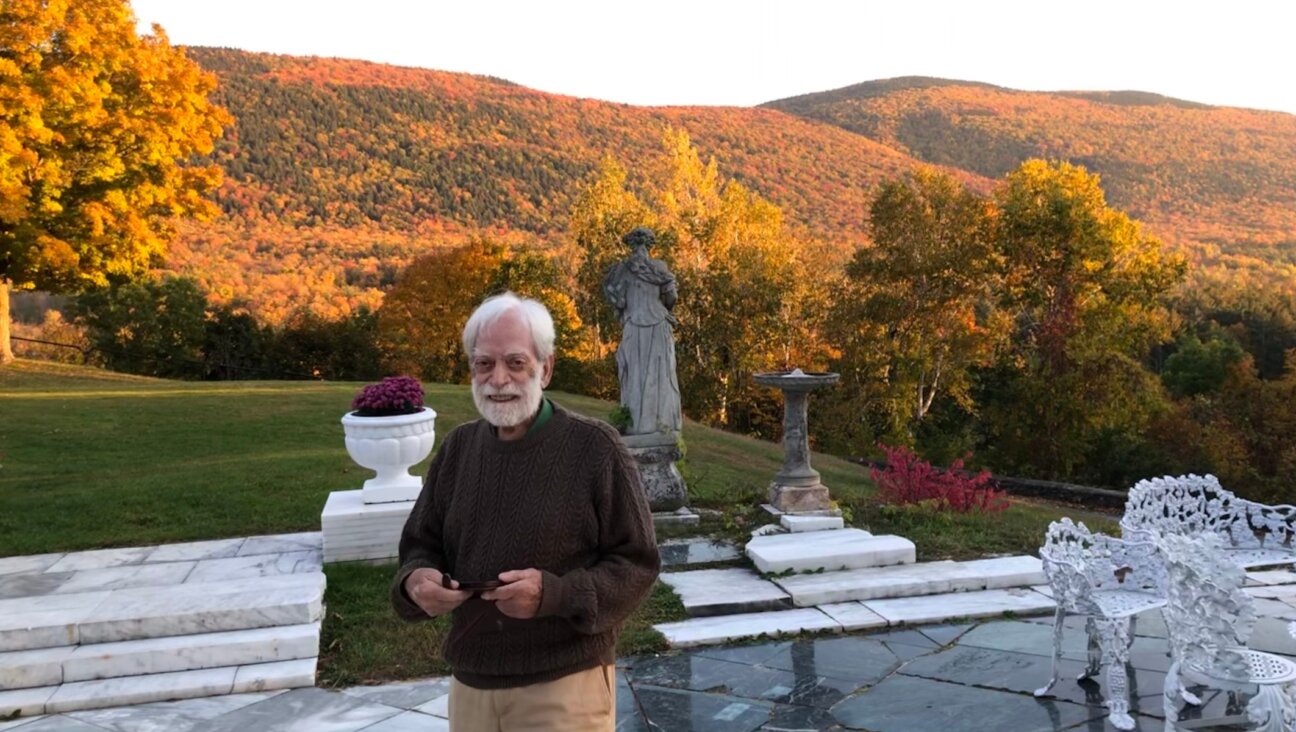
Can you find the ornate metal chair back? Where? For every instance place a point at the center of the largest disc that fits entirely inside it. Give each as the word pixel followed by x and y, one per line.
pixel 1208 616
pixel 1187 504
pixel 1079 562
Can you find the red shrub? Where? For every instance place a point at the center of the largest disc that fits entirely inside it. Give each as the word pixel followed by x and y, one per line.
pixel 907 479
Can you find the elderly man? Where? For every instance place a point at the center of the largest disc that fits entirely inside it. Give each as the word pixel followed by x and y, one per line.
pixel 533 529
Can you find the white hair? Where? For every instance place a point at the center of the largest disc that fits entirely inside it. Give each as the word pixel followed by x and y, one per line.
pixel 533 313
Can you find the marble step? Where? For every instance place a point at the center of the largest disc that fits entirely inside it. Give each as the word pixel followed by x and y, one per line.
pixel 908 580
pixel 942 608
pixel 726 628
pixel 54 666
pixel 114 692
pixel 799 524
pixel 162 574
pixel 128 614
pixel 828 550
pixel 725 592
pixel 856 616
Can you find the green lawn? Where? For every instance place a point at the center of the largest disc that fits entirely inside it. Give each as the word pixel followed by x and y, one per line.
pixel 93 459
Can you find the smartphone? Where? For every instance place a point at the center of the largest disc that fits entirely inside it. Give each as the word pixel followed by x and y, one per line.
pixel 471 586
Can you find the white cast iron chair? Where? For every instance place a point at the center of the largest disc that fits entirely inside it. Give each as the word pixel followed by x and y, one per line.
pixel 1109 580
pixel 1209 619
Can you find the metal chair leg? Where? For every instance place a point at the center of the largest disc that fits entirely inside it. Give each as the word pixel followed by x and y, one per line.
pixel 1058 617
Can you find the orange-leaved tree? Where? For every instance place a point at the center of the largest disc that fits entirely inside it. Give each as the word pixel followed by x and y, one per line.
pixel 99 127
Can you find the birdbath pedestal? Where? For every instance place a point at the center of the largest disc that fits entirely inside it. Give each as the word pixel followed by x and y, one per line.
pixel 796 487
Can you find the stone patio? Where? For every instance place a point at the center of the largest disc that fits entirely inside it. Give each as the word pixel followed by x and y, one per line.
pixel 966 677
pixel 912 656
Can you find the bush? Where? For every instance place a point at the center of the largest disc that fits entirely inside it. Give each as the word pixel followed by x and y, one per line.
pixel 908 480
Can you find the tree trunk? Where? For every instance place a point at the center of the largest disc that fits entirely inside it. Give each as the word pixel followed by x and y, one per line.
pixel 6 351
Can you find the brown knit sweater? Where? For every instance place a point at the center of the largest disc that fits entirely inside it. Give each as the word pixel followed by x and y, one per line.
pixel 565 499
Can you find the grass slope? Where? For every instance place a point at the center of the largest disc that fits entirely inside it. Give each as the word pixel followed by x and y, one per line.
pixel 93 459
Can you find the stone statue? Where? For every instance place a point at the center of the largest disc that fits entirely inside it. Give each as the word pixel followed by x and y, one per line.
pixel 642 291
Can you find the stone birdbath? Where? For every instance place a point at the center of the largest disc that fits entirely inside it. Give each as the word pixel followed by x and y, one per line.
pixel 796 487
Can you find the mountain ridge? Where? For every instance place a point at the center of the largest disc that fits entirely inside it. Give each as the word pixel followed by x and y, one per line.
pixel 338 170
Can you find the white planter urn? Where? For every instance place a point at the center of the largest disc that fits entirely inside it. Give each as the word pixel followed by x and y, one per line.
pixel 390 446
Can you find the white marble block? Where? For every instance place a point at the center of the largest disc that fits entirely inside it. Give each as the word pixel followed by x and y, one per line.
pixel 828 550
pixel 27 563
pixel 391 493
pixel 140 689
pixel 256 565
pixel 195 550
pixel 29 669
pixel 1001 572
pixel 190 652
pixel 25 702
pixel 272 676
pixel 725 591
pixel 797 524
pixel 725 628
pixel 900 580
pixel 940 608
pixel 45 621
pixel 853 615
pixel 355 530
pixel 910 580
pixel 101 559
pixel 259 602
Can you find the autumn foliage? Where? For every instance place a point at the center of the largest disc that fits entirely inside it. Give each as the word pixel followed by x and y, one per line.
pixel 906 479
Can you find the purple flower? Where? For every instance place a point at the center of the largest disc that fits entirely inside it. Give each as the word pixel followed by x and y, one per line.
pixel 393 395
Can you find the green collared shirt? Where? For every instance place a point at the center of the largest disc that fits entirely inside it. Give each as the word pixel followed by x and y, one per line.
pixel 546 411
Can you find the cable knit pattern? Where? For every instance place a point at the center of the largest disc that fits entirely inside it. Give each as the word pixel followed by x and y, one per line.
pixel 565 499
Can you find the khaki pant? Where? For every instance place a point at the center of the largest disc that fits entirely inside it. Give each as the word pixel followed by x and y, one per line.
pixel 581 702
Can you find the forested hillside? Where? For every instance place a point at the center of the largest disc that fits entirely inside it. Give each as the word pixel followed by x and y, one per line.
pixel 1220 180
pixel 1124 309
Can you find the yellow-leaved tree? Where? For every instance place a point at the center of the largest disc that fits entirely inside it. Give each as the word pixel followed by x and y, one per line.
pixel 99 128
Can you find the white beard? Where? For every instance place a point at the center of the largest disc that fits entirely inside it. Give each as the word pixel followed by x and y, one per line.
pixel 510 413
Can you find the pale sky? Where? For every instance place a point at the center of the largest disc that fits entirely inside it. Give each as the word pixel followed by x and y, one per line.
pixel 744 52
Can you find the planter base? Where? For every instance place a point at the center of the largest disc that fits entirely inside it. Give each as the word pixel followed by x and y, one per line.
pixel 354 530
pixel 391 493
pixel 799 498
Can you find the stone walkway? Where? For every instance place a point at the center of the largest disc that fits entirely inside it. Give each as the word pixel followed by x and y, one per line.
pixel 952 678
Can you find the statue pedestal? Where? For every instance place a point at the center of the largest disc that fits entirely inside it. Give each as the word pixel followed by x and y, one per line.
pixel 656 454
pixel 800 498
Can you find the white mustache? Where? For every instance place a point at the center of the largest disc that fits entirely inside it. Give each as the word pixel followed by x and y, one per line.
pixel 489 390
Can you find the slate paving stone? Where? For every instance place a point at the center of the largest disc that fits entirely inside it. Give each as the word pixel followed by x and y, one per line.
pixel 788 718
pixel 945 634
pixel 681 552
pixel 909 704
pixel 686 711
pixel 1023 673
pixel 1141 724
pixel 1147 652
pixel 907 637
pixel 1025 637
pixel 753 654
pixel 629 717
pixel 698 673
pixel 860 660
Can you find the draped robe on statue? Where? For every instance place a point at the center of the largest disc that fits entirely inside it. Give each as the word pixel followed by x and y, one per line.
pixel 642 291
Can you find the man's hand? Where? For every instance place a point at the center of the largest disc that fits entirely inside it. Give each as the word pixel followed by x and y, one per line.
pixel 520 596
pixel 424 587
